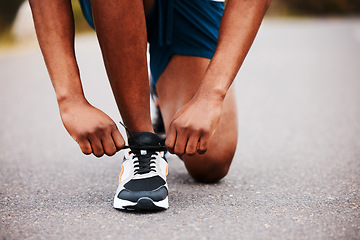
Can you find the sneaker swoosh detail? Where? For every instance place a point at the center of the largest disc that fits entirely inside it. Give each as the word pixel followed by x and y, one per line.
pixel 121 173
pixel 167 170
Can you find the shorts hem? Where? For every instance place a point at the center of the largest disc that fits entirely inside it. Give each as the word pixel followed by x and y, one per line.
pixel 184 52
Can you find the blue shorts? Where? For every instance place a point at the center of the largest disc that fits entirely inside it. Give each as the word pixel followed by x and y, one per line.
pixel 184 27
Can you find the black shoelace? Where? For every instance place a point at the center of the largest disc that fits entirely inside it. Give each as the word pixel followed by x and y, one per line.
pixel 144 161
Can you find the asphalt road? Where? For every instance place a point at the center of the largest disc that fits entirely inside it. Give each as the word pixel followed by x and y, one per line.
pixel 296 173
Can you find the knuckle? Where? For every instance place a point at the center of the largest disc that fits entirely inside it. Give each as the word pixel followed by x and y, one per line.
pixel 174 124
pixel 113 127
pixel 110 125
pixel 89 133
pixel 184 128
pixel 100 128
pixel 84 134
pixel 203 130
pixel 104 127
pixel 169 144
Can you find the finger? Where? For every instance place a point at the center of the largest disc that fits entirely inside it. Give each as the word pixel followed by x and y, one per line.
pixel 204 143
pixel 85 146
pixel 170 139
pixel 118 139
pixel 96 146
pixel 180 143
pixel 108 145
pixel 192 145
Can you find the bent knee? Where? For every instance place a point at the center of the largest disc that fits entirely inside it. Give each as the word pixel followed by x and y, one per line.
pixel 208 169
pixel 211 174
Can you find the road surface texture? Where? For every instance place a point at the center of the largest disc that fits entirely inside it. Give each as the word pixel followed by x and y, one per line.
pixel 295 175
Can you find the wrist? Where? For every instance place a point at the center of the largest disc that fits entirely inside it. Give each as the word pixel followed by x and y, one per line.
pixel 209 98
pixel 67 100
pixel 212 90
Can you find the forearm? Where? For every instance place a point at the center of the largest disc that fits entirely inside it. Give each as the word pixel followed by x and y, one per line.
pixel 93 130
pixel 54 26
pixel 239 25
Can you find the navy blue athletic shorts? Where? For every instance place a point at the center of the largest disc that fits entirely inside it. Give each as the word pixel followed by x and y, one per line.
pixel 184 27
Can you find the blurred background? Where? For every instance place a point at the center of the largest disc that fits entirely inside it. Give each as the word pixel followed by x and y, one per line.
pixel 16 23
pixel 295 174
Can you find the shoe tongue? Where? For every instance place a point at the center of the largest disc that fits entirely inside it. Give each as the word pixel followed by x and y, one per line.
pixel 144 138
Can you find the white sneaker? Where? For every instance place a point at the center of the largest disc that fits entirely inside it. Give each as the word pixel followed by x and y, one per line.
pixel 142 181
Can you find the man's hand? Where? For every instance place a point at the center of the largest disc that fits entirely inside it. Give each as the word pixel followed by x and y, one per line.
pixel 193 126
pixel 91 128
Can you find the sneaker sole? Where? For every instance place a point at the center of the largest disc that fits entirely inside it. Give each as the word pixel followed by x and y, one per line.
pixel 143 204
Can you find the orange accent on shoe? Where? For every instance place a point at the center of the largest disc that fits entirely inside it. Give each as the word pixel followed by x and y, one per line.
pixel 167 170
pixel 122 171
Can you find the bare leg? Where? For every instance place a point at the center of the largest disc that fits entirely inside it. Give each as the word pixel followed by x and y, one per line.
pixel 121 30
pixel 176 86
